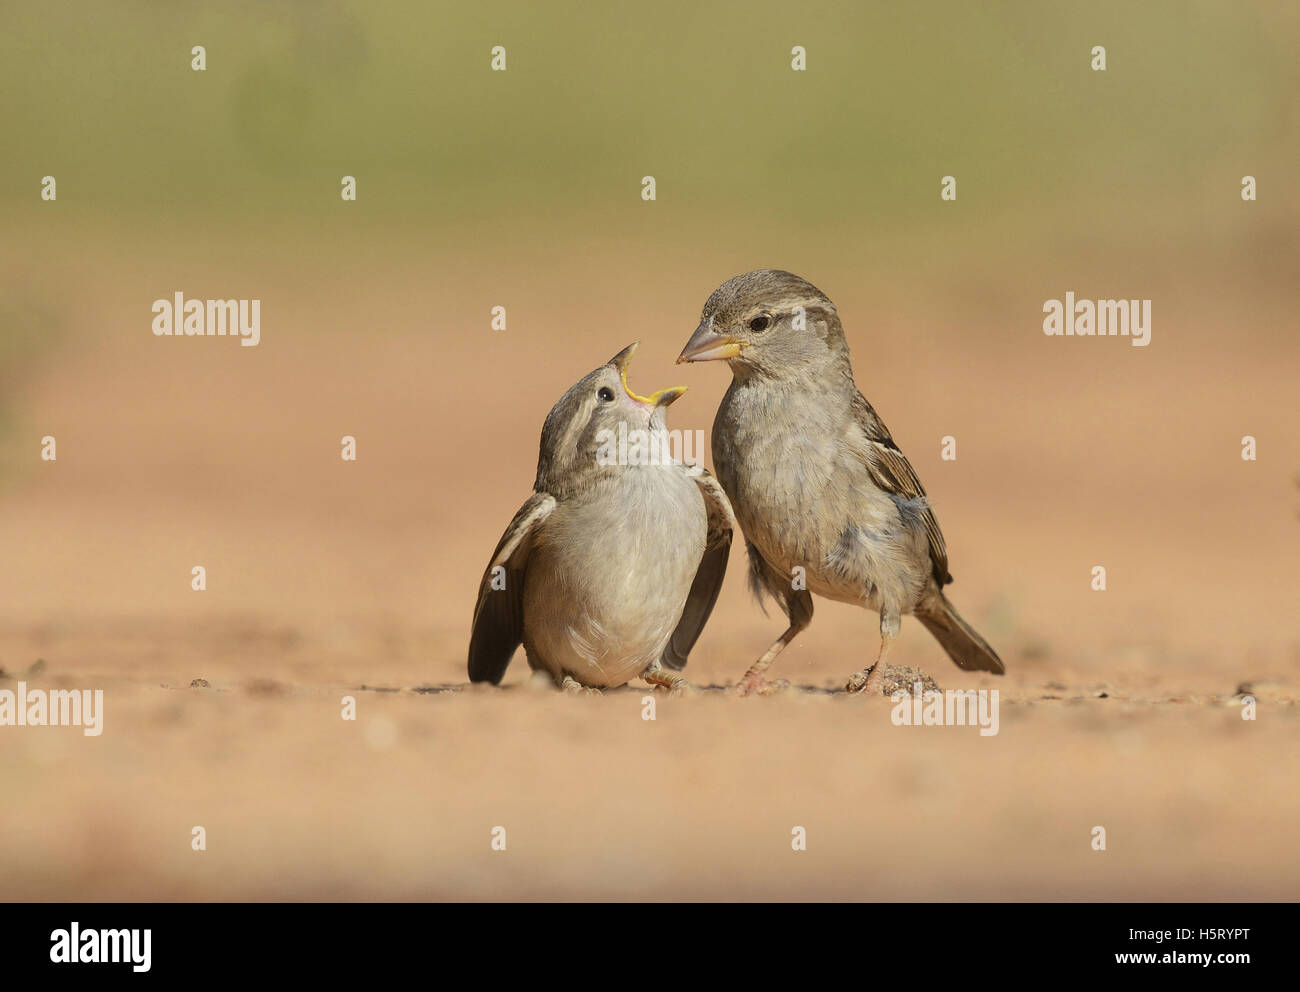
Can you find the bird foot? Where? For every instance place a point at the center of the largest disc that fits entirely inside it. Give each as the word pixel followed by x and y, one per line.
pixel 571 687
pixel 885 680
pixel 868 682
pixel 756 685
pixel 674 685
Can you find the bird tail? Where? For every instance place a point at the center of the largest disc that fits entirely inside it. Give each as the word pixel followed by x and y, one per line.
pixel 965 647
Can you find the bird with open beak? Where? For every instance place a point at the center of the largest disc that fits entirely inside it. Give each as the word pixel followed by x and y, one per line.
pixel 611 569
pixel 827 501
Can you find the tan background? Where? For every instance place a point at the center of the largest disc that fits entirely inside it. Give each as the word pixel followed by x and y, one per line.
pixel 522 189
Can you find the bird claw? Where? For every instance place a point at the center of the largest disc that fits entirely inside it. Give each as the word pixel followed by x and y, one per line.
pixel 870 682
pixel 572 687
pixel 670 682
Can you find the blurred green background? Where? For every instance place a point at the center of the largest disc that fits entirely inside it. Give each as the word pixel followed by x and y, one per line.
pixel 701 95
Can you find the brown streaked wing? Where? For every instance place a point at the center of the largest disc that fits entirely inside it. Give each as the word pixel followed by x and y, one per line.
pixel 894 473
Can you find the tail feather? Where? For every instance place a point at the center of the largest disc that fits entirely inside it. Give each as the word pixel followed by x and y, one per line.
pixel 965 647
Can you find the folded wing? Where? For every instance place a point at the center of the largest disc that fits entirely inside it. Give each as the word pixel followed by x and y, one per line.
pixel 499 613
pixel 893 473
pixel 709 576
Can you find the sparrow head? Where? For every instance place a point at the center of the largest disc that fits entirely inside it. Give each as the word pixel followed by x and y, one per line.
pixel 769 322
pixel 580 427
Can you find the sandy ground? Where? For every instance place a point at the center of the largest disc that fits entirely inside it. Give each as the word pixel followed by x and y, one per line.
pixel 328 579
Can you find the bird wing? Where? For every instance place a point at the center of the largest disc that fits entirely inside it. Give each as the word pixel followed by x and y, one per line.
pixel 892 472
pixel 708 578
pixel 499 614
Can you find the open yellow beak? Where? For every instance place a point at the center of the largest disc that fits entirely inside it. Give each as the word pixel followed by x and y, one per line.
pixel 707 345
pixel 663 397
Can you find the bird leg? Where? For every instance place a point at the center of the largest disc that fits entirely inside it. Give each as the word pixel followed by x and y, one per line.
pixel 798 607
pixel 572 687
pixel 753 681
pixel 656 677
pixel 871 681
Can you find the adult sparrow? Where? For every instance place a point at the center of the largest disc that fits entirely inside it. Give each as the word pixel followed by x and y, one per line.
pixel 826 500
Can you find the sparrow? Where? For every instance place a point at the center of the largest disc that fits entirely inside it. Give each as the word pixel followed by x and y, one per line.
pixel 827 502
pixel 611 568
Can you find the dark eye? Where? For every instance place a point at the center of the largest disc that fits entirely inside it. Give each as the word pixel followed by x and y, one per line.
pixel 606 394
pixel 760 323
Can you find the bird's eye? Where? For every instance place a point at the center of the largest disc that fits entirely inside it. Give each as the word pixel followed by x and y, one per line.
pixel 760 323
pixel 606 394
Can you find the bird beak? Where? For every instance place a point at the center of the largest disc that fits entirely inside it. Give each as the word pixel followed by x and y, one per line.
pixel 664 397
pixel 707 345
pixel 624 358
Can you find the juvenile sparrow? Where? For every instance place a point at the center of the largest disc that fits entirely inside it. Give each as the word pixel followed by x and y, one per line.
pixel 610 570
pixel 814 477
